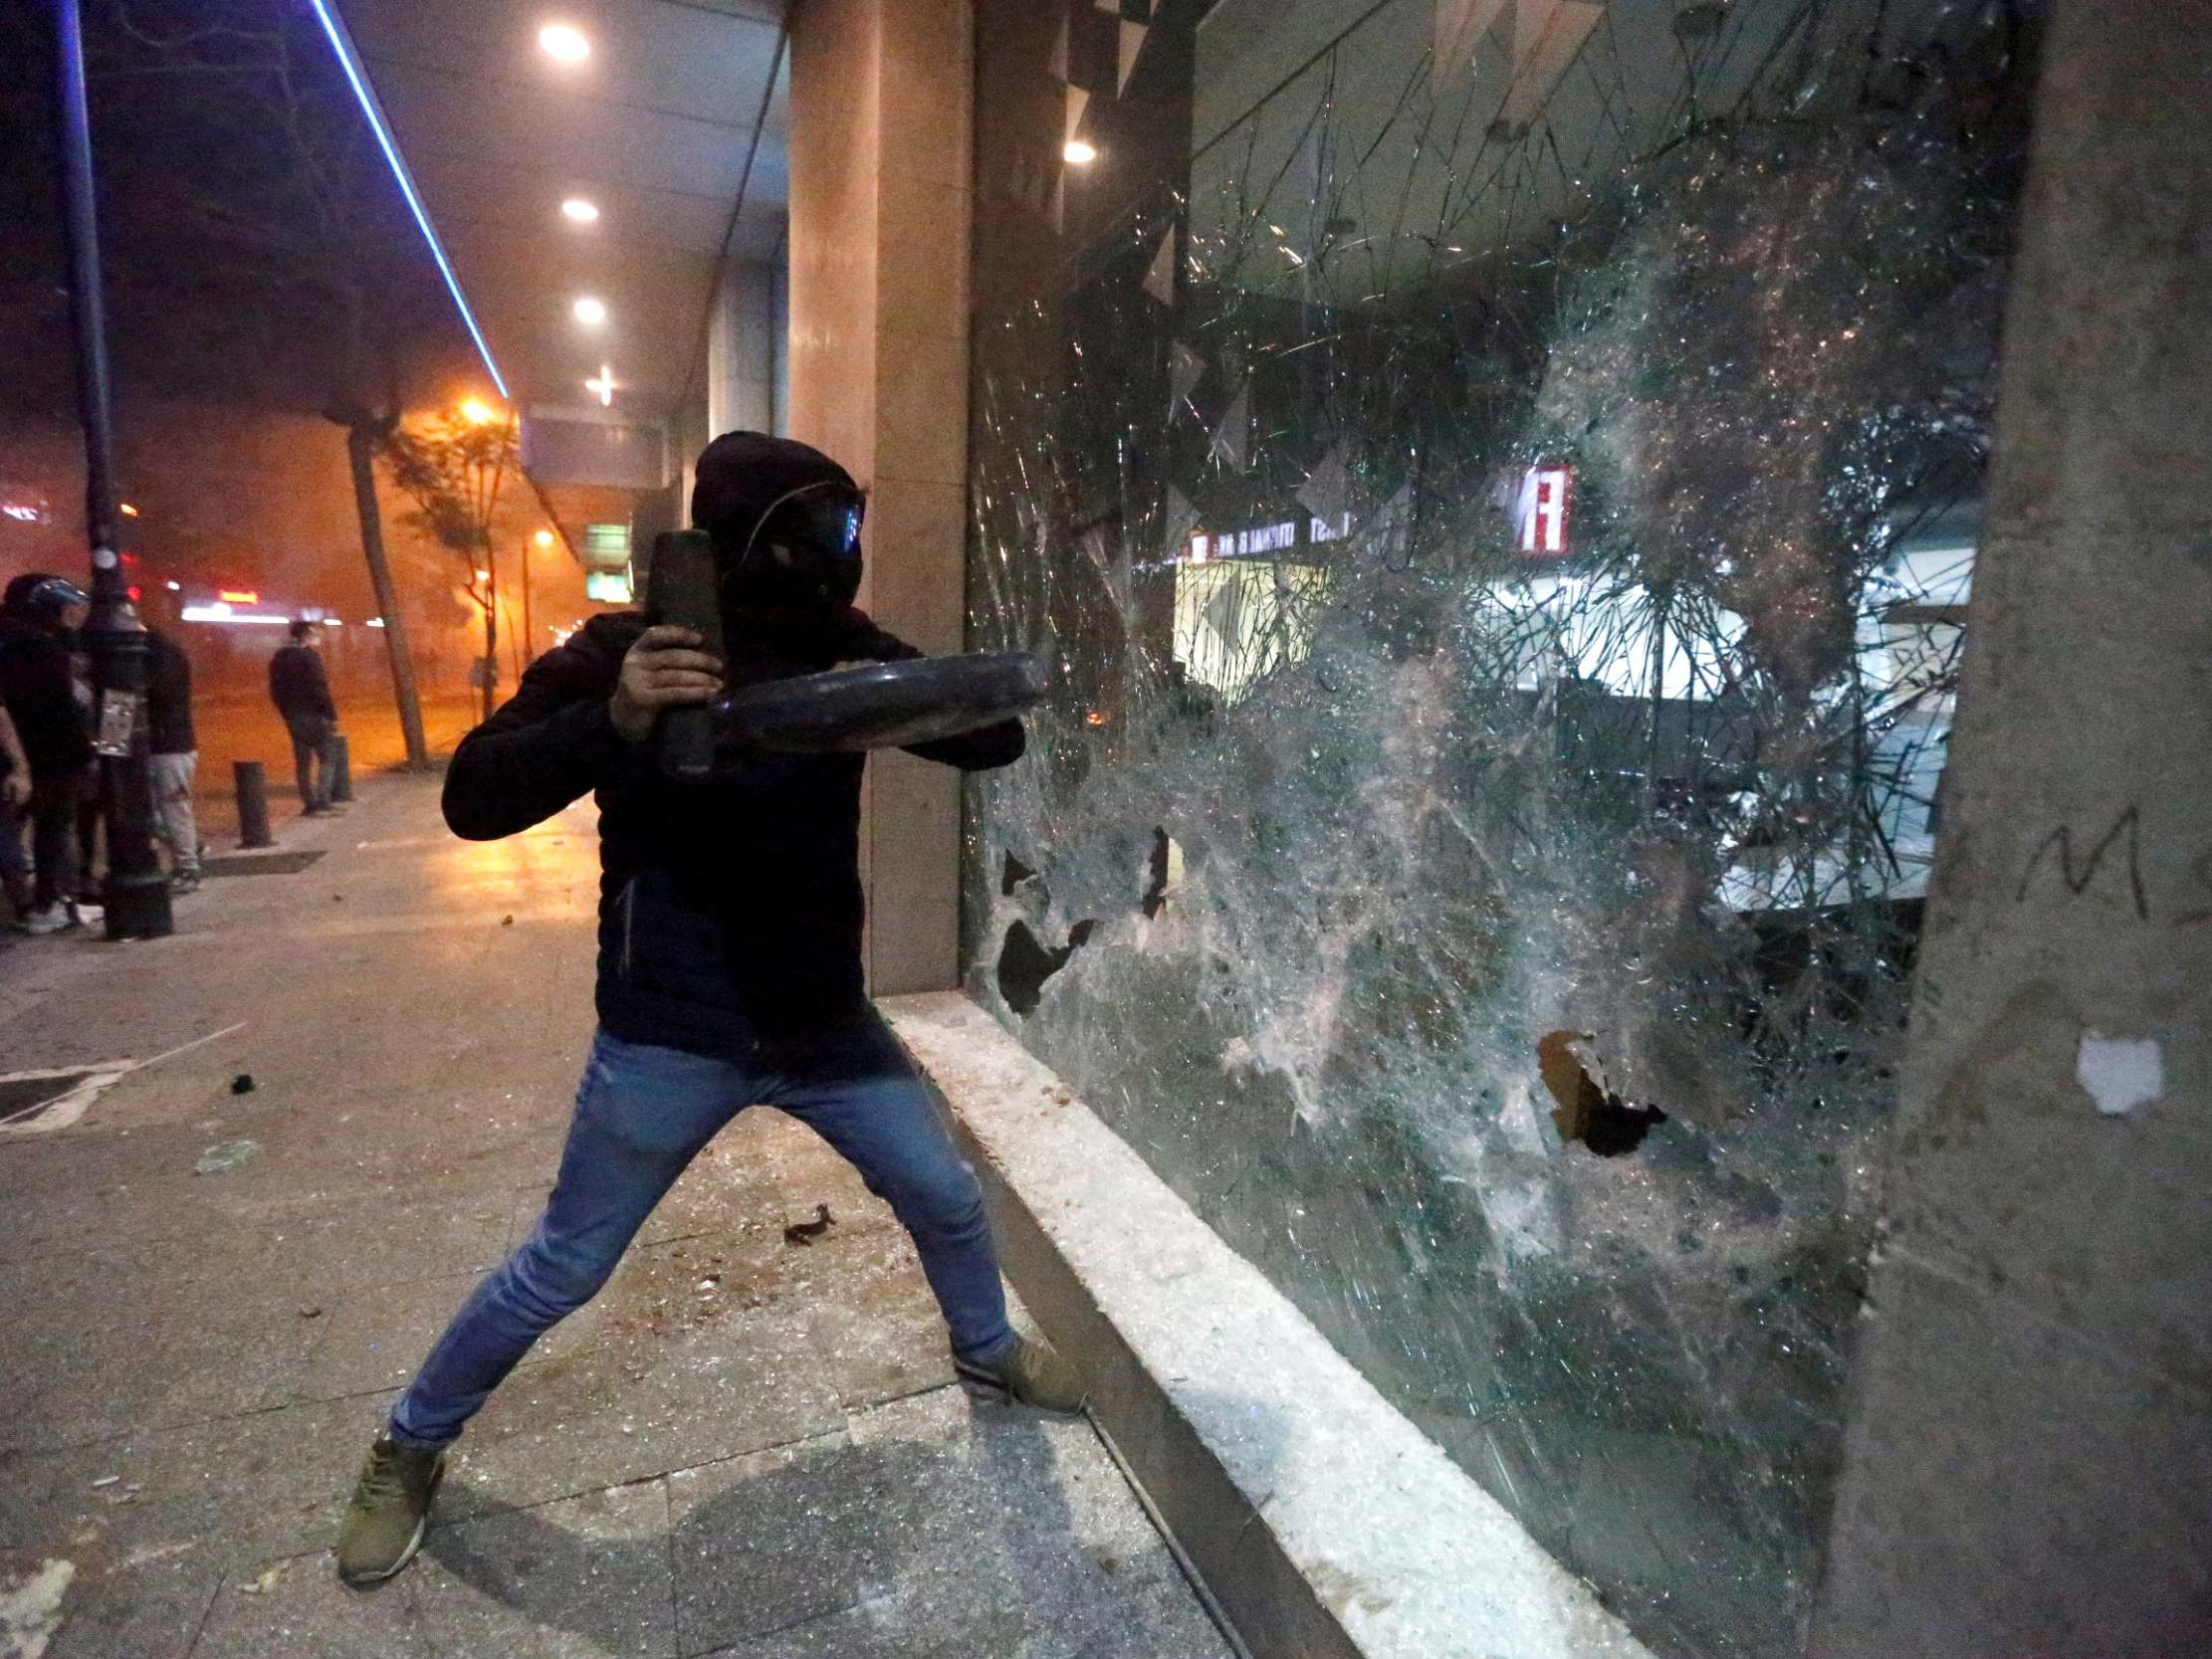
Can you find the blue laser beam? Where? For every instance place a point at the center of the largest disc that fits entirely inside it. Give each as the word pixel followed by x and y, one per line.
pixel 343 45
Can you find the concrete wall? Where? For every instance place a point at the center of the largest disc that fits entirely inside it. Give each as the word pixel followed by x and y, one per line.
pixel 879 235
pixel 741 353
pixel 2030 1466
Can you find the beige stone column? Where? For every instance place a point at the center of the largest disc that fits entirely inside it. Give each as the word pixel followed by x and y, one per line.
pixel 2029 1469
pixel 881 105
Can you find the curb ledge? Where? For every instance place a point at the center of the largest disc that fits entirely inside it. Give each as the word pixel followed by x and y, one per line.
pixel 1319 1518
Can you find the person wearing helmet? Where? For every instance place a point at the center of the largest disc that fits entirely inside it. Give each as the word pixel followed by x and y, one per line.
pixel 39 612
pixel 15 798
pixel 728 970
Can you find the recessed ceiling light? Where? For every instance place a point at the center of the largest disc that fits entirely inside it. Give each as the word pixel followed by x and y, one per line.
pixel 590 311
pixel 564 42
pixel 582 211
pixel 1077 153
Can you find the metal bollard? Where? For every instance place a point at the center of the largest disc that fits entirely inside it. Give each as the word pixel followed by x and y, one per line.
pixel 253 804
pixel 341 770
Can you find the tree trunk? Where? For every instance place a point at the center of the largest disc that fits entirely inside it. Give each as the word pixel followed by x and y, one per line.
pixel 360 449
pixel 491 628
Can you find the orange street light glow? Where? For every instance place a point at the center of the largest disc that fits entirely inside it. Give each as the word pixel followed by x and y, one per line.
pixel 565 43
pixel 543 538
pixel 476 411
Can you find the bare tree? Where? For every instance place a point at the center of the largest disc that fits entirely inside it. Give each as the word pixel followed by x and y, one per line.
pixel 453 468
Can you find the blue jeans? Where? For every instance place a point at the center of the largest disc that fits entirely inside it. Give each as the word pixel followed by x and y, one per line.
pixel 313 757
pixel 642 1115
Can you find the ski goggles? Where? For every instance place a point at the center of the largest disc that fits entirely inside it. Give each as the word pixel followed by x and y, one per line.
pixel 821 518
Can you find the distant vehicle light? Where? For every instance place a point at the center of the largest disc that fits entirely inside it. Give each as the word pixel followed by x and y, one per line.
pixel 580 211
pixel 174 587
pixel 565 43
pixel 219 612
pixel 128 511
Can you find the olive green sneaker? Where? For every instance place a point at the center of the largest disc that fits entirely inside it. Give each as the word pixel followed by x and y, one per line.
pixel 384 1523
pixel 1033 1373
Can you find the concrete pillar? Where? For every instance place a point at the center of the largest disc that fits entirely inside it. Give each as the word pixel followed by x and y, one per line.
pixel 741 355
pixel 881 93
pixel 2029 1468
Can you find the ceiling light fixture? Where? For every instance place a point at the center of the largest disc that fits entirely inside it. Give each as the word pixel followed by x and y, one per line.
pixel 602 386
pixel 582 212
pixel 1078 153
pixel 590 311
pixel 565 43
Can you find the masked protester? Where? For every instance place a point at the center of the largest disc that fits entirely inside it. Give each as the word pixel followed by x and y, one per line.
pixel 38 616
pixel 729 921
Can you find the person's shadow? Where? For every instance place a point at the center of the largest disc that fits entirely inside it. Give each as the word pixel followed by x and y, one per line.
pixel 836 1527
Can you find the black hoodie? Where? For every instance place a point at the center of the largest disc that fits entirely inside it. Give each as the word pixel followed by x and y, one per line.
pixel 730 909
pixel 40 696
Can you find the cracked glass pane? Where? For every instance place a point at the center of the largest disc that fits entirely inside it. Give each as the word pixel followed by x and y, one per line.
pixel 1496 481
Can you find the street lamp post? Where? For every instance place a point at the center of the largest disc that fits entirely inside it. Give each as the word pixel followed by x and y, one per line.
pixel 137 893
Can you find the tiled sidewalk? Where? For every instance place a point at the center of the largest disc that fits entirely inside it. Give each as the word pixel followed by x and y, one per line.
pixel 745 1447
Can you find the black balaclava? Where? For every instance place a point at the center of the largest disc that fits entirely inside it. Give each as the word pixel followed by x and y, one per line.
pixel 784 521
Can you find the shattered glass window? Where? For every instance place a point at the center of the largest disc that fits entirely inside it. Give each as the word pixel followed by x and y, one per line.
pixel 1497 483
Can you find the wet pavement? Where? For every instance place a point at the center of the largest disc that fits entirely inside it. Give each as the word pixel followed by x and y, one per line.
pixel 313 1117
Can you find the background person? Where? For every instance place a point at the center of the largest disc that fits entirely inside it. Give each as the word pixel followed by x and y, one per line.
pixel 91 787
pixel 39 612
pixel 177 756
pixel 15 796
pixel 302 692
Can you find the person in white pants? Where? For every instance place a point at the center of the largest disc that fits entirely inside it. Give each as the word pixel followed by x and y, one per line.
pixel 177 756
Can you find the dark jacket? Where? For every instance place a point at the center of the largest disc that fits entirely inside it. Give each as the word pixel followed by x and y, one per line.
pixel 297 684
pixel 41 699
pixel 169 696
pixel 730 909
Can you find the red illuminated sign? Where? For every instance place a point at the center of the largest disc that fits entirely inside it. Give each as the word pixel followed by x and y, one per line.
pixel 1540 515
